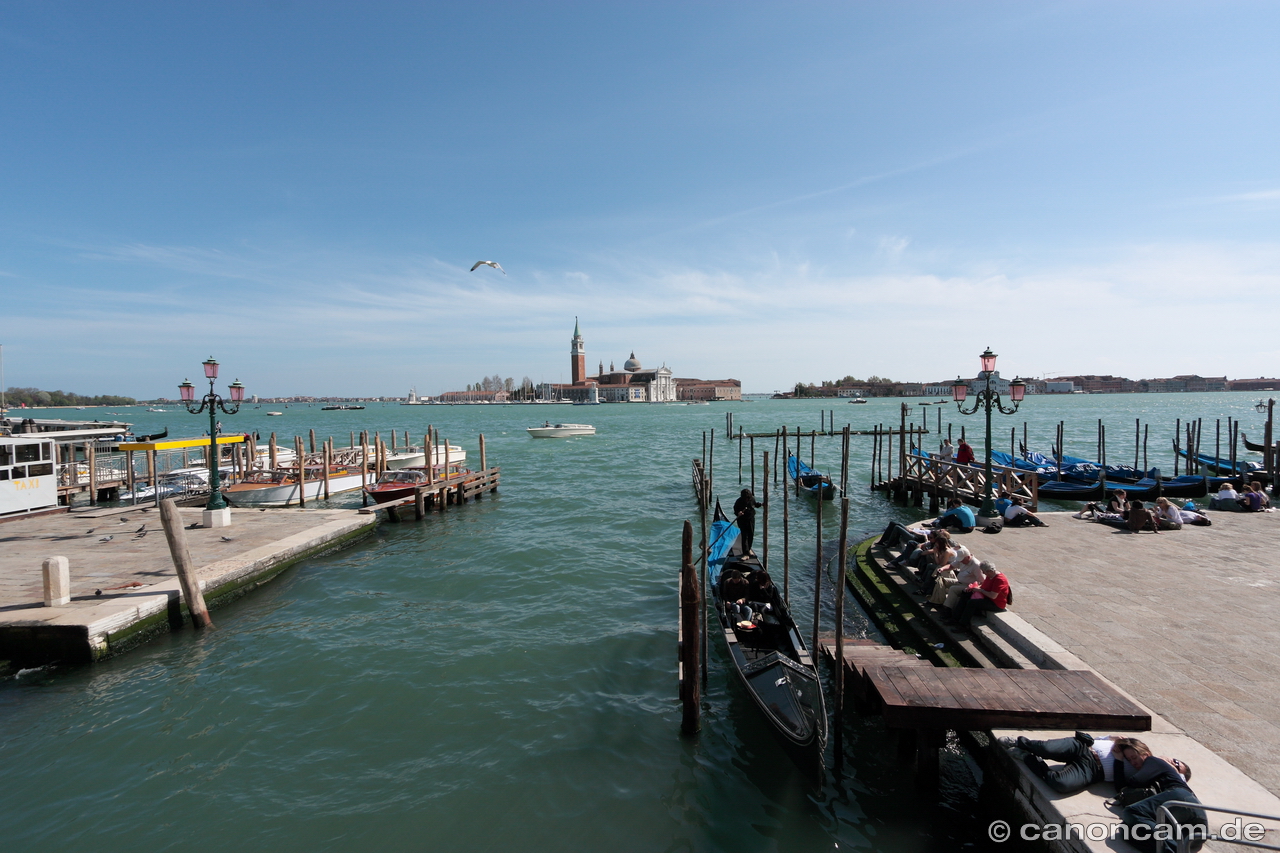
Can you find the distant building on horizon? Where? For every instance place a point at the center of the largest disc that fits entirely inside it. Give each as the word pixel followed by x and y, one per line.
pixel 632 384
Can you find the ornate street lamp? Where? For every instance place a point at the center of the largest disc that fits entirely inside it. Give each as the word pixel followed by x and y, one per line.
pixel 987 399
pixel 212 402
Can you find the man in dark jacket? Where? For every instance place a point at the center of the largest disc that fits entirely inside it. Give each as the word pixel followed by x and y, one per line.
pixel 744 510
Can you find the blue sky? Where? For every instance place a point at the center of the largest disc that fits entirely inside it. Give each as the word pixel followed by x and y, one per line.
pixel 773 192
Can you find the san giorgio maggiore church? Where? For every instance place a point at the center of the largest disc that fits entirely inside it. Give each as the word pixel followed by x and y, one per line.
pixel 631 384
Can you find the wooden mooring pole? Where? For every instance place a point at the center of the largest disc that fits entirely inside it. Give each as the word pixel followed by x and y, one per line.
pixel 302 471
pixel 817 577
pixel 176 536
pixel 328 463
pixel 690 648
pixel 764 482
pixel 839 675
pixel 786 538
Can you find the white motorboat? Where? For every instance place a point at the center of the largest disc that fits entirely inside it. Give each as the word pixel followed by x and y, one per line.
pixel 179 483
pixel 549 430
pixel 416 457
pixel 280 487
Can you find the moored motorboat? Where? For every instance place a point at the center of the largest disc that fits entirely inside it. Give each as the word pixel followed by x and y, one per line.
pixel 280 487
pixel 767 651
pixel 549 430
pixel 404 482
pixel 416 457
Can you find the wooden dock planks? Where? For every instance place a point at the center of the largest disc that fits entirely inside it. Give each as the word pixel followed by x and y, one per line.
pixel 954 698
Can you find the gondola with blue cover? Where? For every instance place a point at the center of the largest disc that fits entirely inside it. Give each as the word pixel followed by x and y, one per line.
pixel 812 482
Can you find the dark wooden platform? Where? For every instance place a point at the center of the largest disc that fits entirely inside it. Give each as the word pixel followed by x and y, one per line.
pixel 969 699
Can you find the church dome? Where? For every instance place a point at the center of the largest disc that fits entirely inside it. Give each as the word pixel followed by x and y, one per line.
pixel 631 365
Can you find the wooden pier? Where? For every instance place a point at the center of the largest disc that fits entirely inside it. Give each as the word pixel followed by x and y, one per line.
pixel 455 490
pixel 925 475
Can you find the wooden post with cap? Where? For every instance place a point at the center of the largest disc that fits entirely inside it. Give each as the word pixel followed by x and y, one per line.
pixel 176 536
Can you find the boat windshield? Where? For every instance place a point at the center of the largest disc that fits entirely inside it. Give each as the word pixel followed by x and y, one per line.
pixel 265 477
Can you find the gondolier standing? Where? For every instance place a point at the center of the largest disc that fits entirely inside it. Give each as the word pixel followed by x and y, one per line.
pixel 744 510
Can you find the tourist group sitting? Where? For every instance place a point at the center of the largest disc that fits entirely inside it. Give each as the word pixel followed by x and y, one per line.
pixel 948 573
pixel 1143 782
pixel 1135 516
pixel 1253 498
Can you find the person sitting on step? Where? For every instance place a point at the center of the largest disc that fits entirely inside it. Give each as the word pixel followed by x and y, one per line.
pixel 949 586
pixel 920 554
pixel 992 595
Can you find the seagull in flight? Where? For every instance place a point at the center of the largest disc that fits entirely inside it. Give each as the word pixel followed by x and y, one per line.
pixel 493 264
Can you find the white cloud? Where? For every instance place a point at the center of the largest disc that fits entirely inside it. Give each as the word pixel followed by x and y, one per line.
pixel 1261 195
pixel 298 322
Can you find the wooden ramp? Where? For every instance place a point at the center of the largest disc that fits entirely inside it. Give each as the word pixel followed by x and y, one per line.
pixel 954 698
pixel 861 655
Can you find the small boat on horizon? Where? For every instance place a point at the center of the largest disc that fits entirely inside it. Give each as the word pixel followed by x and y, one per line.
pixel 343 408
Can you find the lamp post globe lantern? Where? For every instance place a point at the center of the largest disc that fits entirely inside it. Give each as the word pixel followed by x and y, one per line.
pixel 213 403
pixel 988 399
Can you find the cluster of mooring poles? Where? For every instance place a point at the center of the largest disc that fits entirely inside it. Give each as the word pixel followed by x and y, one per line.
pixel 693 642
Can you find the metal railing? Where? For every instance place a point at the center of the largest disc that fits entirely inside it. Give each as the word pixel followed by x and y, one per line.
pixel 1184 843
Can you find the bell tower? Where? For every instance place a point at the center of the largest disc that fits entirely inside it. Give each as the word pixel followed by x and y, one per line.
pixel 577 356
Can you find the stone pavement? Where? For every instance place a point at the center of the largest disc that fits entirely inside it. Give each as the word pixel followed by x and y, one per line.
pixel 126 559
pixel 124 588
pixel 1186 621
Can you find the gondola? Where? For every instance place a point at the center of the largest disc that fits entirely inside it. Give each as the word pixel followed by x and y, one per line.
pixel 1223 467
pixel 768 653
pixel 1066 491
pixel 1253 445
pixel 156 437
pixel 816 484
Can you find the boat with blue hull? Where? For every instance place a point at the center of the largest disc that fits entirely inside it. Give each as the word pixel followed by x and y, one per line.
pixel 815 484
pixel 769 656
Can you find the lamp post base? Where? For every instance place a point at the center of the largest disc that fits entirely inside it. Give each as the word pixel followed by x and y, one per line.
pixel 984 520
pixel 216 517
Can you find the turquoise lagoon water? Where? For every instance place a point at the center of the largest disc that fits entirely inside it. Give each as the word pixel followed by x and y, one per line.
pixel 499 677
